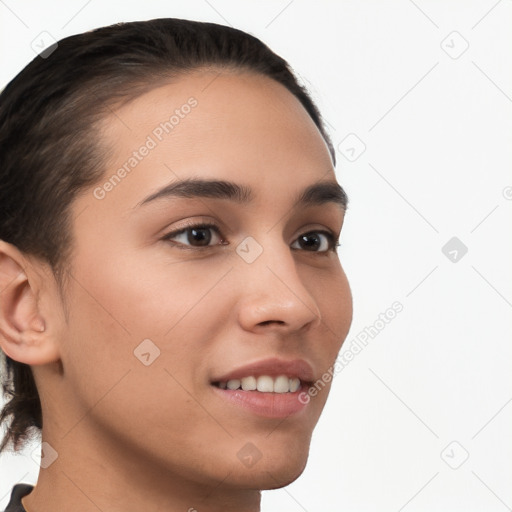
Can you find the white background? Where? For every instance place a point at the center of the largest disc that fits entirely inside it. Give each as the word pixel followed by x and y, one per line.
pixel 437 130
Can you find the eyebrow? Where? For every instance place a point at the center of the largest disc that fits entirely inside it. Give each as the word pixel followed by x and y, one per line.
pixel 317 194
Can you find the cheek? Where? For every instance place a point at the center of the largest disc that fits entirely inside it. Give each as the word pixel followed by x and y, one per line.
pixel 145 297
pixel 124 314
pixel 110 386
pixel 341 309
pixel 333 296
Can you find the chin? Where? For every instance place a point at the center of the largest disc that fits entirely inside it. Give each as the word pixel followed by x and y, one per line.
pixel 285 475
pixel 276 469
pixel 277 475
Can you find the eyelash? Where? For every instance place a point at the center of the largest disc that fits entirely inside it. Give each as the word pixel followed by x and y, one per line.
pixel 334 241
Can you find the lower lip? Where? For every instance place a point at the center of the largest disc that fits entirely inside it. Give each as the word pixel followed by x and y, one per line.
pixel 268 405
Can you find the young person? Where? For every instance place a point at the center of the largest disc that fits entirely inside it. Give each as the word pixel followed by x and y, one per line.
pixel 172 301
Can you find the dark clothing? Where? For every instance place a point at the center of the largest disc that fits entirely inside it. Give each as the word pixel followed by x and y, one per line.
pixel 18 491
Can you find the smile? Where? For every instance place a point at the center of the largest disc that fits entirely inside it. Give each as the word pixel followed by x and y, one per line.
pixel 269 388
pixel 263 384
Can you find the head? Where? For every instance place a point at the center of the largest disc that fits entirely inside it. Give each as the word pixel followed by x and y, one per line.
pixel 152 243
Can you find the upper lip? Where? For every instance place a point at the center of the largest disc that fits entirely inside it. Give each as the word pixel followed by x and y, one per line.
pixel 273 367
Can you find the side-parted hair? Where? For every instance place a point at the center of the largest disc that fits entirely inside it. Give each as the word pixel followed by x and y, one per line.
pixel 50 149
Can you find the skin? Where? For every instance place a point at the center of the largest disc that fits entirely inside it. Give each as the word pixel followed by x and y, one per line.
pixel 131 437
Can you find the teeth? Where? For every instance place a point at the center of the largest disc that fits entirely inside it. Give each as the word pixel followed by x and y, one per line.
pixel 264 384
pixel 233 384
pixel 282 384
pixel 249 383
pixel 294 385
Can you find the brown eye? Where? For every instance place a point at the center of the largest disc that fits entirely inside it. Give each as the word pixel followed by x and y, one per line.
pixel 195 236
pixel 199 236
pixel 312 242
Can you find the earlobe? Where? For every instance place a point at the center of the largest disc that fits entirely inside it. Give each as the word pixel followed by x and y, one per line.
pixel 24 335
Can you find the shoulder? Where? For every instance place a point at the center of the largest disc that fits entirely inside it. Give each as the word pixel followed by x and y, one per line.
pixel 18 491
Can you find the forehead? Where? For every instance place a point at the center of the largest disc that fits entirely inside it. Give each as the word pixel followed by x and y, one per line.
pixel 215 124
pixel 231 108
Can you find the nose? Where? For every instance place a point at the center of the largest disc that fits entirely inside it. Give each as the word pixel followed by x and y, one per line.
pixel 273 295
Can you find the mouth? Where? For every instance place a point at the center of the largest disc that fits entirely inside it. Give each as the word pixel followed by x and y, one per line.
pixel 262 384
pixel 272 388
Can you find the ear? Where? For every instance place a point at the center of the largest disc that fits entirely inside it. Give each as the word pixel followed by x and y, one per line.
pixel 25 335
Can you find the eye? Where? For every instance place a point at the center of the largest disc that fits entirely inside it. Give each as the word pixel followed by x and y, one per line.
pixel 194 234
pixel 198 236
pixel 312 240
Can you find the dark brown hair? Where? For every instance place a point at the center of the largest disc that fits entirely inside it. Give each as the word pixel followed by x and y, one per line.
pixel 50 151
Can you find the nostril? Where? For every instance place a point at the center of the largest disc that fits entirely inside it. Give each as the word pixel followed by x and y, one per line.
pixel 266 322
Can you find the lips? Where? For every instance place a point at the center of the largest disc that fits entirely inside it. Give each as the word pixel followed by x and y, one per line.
pixel 273 367
pixel 264 403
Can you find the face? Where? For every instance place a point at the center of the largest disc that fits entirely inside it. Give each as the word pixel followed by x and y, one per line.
pixel 162 315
